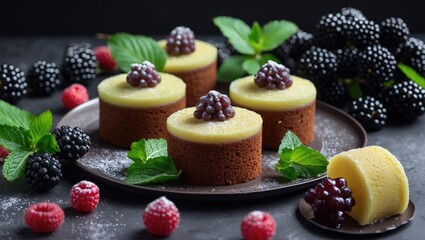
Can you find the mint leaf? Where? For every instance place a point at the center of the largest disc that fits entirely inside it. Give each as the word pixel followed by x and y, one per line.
pixel 12 137
pixel 127 49
pixel 256 37
pixel 276 32
pixel 158 169
pixel 251 66
pixel 237 32
pixel 289 141
pixel 138 151
pixel 13 116
pixel 354 90
pixel 144 150
pixel 15 163
pixel 231 68
pixel 40 126
pixel 412 74
pixel 288 173
pixel 47 144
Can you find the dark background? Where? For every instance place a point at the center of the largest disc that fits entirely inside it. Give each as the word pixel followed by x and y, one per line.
pixel 153 17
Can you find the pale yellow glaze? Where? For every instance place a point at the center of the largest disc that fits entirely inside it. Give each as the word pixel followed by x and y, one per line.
pixel 244 92
pixel 182 124
pixel 204 54
pixel 377 179
pixel 115 90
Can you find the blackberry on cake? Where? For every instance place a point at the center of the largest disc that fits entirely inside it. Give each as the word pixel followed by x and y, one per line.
pixel 330 32
pixel 362 33
pixel 43 78
pixel 214 106
pixel 79 64
pixel 370 113
pixel 273 75
pixel 181 41
pixel 43 172
pixel 143 75
pixel 394 33
pixel 73 143
pixel 13 85
pixel 318 65
pixel 405 101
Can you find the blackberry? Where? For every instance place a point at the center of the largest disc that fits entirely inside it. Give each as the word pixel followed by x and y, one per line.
pixel 352 13
pixel 43 172
pixel 347 62
pixel 412 53
pixel 329 200
pixel 43 78
pixel 181 41
pixel 79 64
pixel 394 32
pixel 405 101
pixel 273 75
pixel 362 33
pixel 73 142
pixel 224 50
pixel 376 65
pixel 330 31
pixel 214 106
pixel 370 113
pixel 318 65
pixel 332 92
pixel 143 75
pixel 13 85
pixel 294 46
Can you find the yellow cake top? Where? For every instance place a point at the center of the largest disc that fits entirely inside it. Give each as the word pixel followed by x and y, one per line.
pixel 377 180
pixel 204 54
pixel 115 90
pixel 182 124
pixel 244 92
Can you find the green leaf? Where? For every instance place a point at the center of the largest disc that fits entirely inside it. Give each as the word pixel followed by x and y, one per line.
pixel 276 32
pixel 266 57
pixel 15 163
pixel 256 37
pixel 158 169
pixel 137 151
pixel 251 66
pixel 231 68
pixel 47 144
pixel 288 173
pixel 41 126
pixel 237 32
pixel 289 141
pixel 13 116
pixel 127 49
pixel 354 90
pixel 412 74
pixel 144 150
pixel 12 137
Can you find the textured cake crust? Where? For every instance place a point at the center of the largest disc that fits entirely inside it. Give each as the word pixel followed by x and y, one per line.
pixel 276 124
pixel 198 82
pixel 217 164
pixel 123 125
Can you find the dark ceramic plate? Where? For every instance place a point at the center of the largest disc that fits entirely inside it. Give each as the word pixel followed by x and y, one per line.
pixel 335 132
pixel 350 226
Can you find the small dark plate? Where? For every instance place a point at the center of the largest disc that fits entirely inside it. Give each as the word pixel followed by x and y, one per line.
pixel 350 226
pixel 335 131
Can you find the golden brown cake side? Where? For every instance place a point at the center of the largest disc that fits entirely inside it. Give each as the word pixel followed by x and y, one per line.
pixel 198 82
pixel 217 164
pixel 123 125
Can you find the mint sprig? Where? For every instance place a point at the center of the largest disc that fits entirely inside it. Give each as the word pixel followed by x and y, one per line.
pixel 412 74
pixel 252 43
pixel 297 160
pixel 127 49
pixel 24 134
pixel 151 162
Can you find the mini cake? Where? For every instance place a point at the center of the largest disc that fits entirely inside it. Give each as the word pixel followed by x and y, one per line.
pixel 377 179
pixel 135 106
pixel 285 102
pixel 192 60
pixel 214 143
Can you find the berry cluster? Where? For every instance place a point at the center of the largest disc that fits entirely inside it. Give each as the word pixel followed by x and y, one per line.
pixel 181 41
pixel 43 78
pixel 143 75
pixel 214 106
pixel 73 143
pixel 13 85
pixel 329 200
pixel 273 75
pixel 349 56
pixel 79 64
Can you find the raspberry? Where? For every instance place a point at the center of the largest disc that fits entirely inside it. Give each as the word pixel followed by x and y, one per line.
pixel 3 153
pixel 43 78
pixel 44 217
pixel 161 217
pixel 272 75
pixel 74 95
pixel 258 225
pixel 79 64
pixel 181 41
pixel 73 142
pixel 85 196
pixel 104 59
pixel 13 85
pixel 214 105
pixel 369 112
pixel 43 172
pixel 143 75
